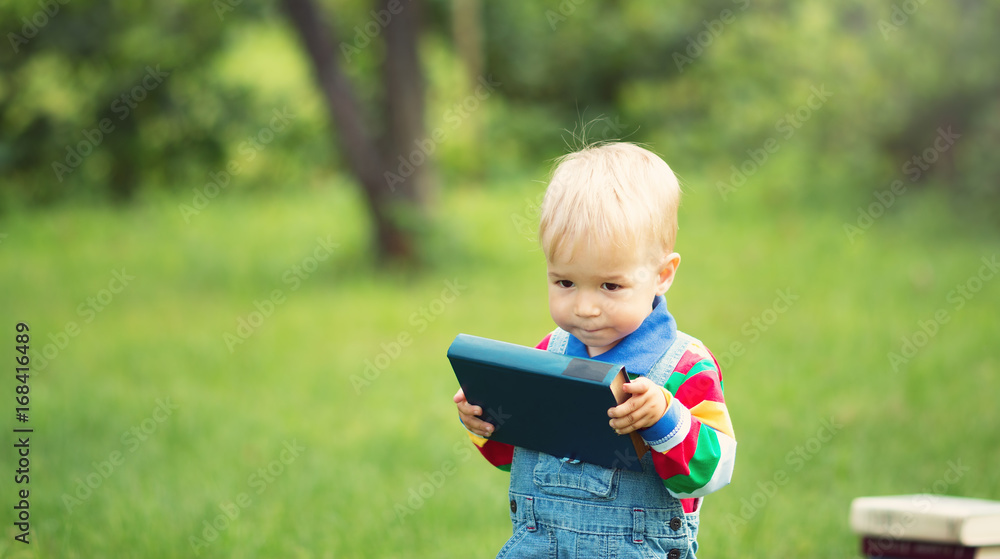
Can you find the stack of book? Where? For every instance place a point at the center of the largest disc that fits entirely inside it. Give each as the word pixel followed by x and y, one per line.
pixel 927 527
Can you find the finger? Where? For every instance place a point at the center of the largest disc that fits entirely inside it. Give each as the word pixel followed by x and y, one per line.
pixel 478 426
pixel 642 400
pixel 637 386
pixel 637 418
pixel 622 422
pixel 623 426
pixel 459 396
pixel 468 409
pixel 626 408
pixel 625 430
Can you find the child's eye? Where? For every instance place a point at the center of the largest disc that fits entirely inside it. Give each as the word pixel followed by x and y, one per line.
pixel 611 286
pixel 564 283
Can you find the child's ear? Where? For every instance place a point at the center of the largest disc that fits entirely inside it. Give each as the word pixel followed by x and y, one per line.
pixel 668 270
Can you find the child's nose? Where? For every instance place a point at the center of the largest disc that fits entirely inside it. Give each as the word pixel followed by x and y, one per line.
pixel 586 307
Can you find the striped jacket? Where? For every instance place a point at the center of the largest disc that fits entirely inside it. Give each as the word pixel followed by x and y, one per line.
pixel 699 459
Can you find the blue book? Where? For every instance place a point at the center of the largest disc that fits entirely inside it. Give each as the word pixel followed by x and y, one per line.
pixel 546 401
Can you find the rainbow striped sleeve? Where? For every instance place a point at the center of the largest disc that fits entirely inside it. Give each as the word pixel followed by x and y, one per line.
pixel 698 459
pixel 499 454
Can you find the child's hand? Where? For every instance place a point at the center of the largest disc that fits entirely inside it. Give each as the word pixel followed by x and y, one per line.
pixel 470 416
pixel 646 406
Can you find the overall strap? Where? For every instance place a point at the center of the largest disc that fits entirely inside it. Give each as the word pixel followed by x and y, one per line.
pixel 660 371
pixel 558 341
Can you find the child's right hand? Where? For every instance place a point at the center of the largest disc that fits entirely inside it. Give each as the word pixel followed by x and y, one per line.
pixel 469 415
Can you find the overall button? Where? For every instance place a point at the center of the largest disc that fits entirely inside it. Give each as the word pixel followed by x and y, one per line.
pixel 674 554
pixel 675 523
pixel 513 506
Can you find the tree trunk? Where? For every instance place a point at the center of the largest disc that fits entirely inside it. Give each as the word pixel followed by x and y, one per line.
pixel 404 139
pixel 364 159
pixel 467 33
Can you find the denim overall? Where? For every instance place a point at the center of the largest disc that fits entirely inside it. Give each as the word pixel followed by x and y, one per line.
pixel 565 510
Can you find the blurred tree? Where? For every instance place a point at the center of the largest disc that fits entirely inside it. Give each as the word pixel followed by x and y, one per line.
pixel 467 35
pixel 98 99
pixel 939 63
pixel 386 158
pixel 572 61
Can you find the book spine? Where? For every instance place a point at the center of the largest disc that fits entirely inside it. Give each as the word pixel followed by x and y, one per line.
pixel 530 360
pixel 887 546
pixel 507 356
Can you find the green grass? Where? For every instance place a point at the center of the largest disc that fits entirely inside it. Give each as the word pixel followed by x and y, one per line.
pixel 369 449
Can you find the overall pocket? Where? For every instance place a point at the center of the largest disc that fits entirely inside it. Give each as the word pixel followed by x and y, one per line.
pixel 580 481
pixel 525 544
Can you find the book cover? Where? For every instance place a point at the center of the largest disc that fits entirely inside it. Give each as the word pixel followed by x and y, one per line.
pixel 887 546
pixel 923 517
pixel 546 401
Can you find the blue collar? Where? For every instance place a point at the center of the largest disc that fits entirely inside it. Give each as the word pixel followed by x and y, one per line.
pixel 641 349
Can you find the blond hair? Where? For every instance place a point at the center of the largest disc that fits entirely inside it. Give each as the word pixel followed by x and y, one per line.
pixel 617 195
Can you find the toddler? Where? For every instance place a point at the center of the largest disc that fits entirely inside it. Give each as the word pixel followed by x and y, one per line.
pixel 608 225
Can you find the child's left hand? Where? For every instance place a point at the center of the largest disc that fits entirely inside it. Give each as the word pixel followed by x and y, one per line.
pixel 646 406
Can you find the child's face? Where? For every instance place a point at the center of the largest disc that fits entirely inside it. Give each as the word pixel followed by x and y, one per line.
pixel 601 295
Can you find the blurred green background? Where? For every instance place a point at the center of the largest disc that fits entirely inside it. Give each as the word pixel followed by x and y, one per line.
pixel 243 234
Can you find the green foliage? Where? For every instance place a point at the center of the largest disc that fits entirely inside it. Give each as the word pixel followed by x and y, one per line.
pixel 103 100
pixel 707 85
